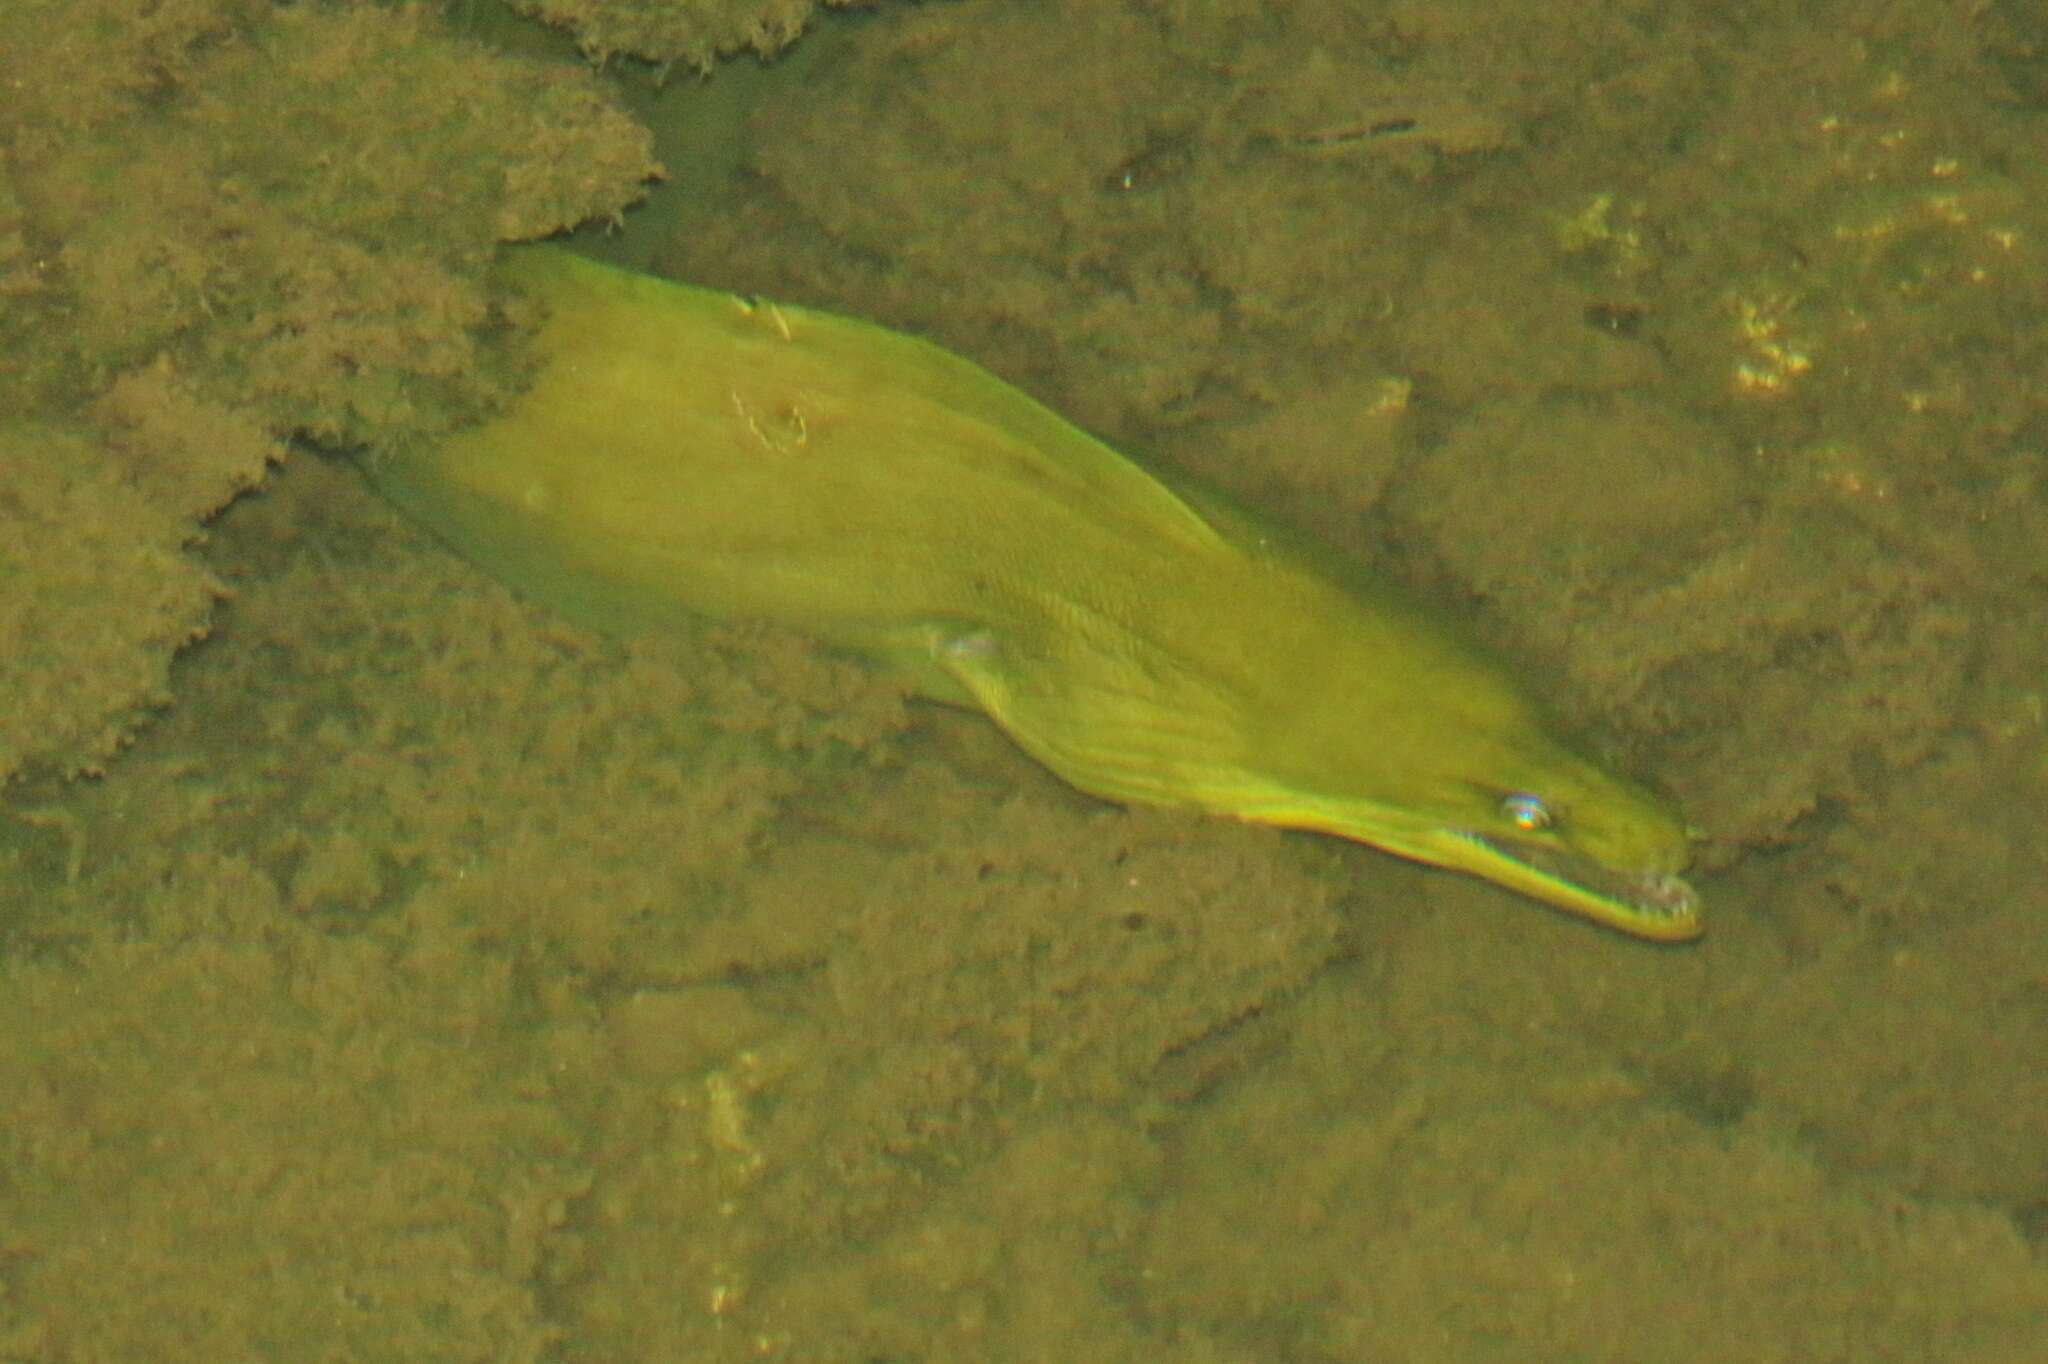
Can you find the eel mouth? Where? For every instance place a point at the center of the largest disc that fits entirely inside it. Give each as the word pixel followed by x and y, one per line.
pixel 1650 901
pixel 1645 903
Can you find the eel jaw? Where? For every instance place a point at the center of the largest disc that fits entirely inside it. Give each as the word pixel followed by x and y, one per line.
pixel 1650 903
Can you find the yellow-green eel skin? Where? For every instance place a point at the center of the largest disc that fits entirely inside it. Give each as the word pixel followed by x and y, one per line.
pixel 683 452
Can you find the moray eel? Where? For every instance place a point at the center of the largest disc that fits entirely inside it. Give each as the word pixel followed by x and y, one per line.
pixel 681 451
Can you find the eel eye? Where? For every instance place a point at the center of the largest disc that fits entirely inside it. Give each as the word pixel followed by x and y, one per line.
pixel 1527 812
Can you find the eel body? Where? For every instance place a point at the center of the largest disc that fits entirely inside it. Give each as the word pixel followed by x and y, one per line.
pixel 680 451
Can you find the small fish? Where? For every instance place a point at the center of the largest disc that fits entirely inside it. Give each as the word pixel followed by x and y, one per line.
pixel 683 452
